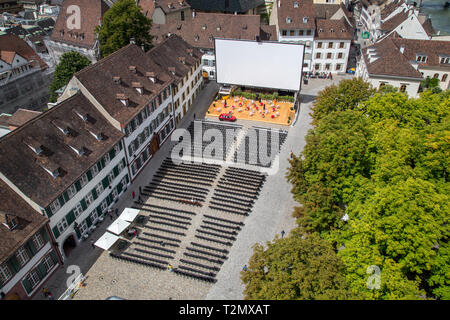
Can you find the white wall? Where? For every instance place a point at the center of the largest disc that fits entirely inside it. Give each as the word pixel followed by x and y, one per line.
pixel 334 55
pixel 179 95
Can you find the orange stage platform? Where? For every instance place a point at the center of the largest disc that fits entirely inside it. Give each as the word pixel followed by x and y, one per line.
pixel 275 111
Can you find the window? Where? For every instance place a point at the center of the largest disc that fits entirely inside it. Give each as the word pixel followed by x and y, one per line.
pixel 318 54
pixel 301 32
pixel 317 66
pixel 338 67
pixel 48 263
pixel 89 199
pixel 308 32
pixel 115 193
pixel 94 215
pixel 403 88
pixel 182 15
pixel 445 60
pixel 341 44
pixel 38 241
pixel 83 227
pixel 382 84
pixel 436 76
pixel 55 206
pixel 421 58
pixel 327 66
pixel 107 159
pixel 284 32
pixel 292 32
pixel 5 274
pixel 444 77
pixel 319 44
pixel 330 45
pixel 111 177
pixel 94 170
pixel 340 54
pixel 104 205
pixel 77 210
pixel 22 256
pixel 33 278
pixel 71 191
pixel 84 180
pixel 62 225
pixel 99 188
pixel 329 55
pixel 120 166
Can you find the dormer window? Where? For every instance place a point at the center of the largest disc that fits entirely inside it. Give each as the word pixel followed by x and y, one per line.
pixel 244 27
pixel 421 58
pixel 288 20
pixel 295 4
pixel 190 52
pixel 332 30
pixel 82 115
pixel 182 60
pixel 138 86
pixel 181 3
pixel 117 80
pixel 62 33
pixel 196 37
pixel 342 30
pixel 204 27
pixel 64 128
pixel 210 38
pixel 82 36
pixel 444 60
pixel 151 76
pixel 132 69
pixel 33 145
pixel 8 220
pixel 172 70
pixel 320 30
pixel 305 19
pixel 78 150
pixel 218 28
pixel 123 99
pixel 171 6
pixel 48 165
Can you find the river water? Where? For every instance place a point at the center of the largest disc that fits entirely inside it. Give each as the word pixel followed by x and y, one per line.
pixel 440 17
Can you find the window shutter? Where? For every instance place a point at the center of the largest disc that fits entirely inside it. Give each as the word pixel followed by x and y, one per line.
pixel 70 217
pixel 88 221
pixel 94 193
pixel 119 188
pixel 116 171
pixel 61 200
pixel 99 166
pixel 78 185
pixel 44 235
pixel 89 175
pixel 48 211
pixel 13 265
pixel 108 200
pixel 54 256
pixel 128 179
pixel 83 204
pixel 112 153
pixel 77 231
pixel 56 232
pixel 66 196
pixel 27 285
pixel 105 182
pixel 120 145
pixel 42 271
pixel 29 246
pixel 99 210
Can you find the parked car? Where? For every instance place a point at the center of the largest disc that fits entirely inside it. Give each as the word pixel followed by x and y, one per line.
pixel 227 117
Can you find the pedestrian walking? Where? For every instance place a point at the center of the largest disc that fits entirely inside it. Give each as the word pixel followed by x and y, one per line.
pixel 45 292
pixel 117 212
pixel 50 296
pixel 194 116
pixel 110 214
pixel 92 244
pixel 282 233
pixel 169 267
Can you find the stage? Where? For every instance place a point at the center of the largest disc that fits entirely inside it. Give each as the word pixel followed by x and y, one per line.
pixel 278 112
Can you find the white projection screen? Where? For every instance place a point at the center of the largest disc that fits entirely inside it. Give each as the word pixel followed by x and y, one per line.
pixel 273 65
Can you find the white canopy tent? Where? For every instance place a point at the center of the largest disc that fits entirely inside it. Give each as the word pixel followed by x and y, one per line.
pixel 118 226
pixel 106 241
pixel 129 214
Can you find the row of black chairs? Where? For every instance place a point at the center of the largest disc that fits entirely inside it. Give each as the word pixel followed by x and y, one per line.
pixel 207 253
pixel 142 244
pixel 162 243
pixel 195 244
pixel 165 230
pixel 187 189
pixel 164 169
pixel 154 253
pixel 184 180
pixel 133 260
pixel 195 276
pixel 168 192
pixel 147 205
pixel 165 214
pixel 201 265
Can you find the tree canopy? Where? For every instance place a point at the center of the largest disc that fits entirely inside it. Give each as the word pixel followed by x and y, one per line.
pixel 121 23
pixel 373 182
pixel 295 268
pixel 69 64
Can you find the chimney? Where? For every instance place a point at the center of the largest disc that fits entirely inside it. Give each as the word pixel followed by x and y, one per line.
pixel 182 60
pixel 172 70
pixel 190 51
pixel 132 69
pixel 116 80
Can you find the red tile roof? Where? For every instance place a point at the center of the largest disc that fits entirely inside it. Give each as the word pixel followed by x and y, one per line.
pixel 200 31
pixel 13 43
pixel 92 12
pixel 333 29
pixel 98 80
pixel 287 11
pixel 21 116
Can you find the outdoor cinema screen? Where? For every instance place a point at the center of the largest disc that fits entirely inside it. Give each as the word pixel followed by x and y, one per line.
pixel 271 65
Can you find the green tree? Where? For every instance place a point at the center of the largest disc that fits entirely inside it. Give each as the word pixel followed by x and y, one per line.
pixel 69 64
pixel 345 96
pixel 300 267
pixel 120 24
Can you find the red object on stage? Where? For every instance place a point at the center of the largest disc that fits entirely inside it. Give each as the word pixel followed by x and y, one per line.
pixel 273 116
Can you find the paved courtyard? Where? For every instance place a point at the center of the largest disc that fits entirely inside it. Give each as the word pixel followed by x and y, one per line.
pixel 272 213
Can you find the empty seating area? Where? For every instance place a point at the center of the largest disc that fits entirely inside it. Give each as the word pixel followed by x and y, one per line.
pixel 186 182
pixel 237 191
pixel 260 146
pixel 227 134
